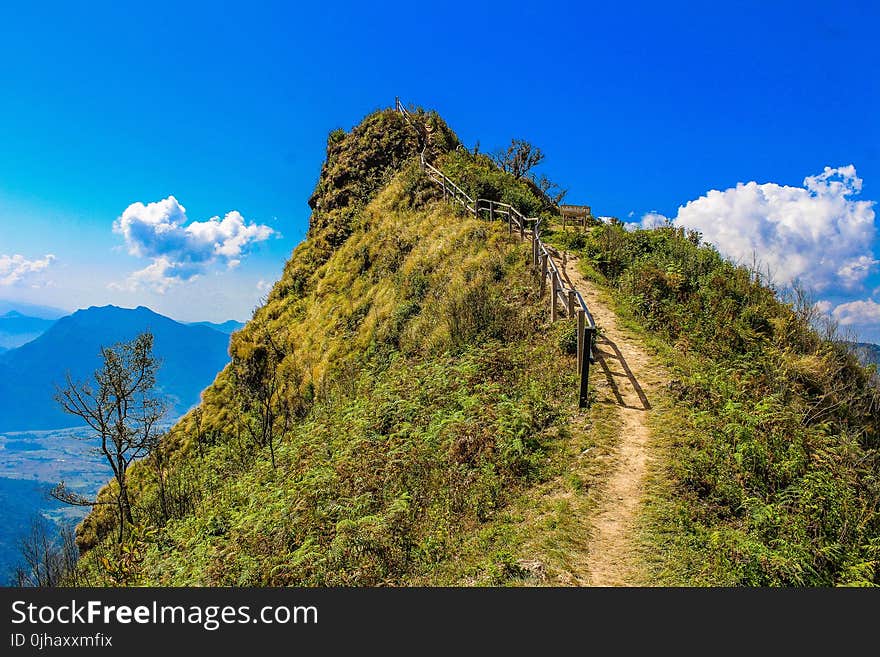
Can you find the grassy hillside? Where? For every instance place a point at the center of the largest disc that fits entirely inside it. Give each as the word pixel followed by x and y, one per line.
pixel 419 397
pixel 770 431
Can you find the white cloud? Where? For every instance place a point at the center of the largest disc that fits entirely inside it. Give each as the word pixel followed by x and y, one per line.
pixel 858 313
pixel 160 275
pixel 653 220
pixel 824 307
pixel 181 251
pixel 816 233
pixel 264 286
pixel 14 268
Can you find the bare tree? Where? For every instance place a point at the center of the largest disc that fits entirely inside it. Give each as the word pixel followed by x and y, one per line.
pixel 519 158
pixel 159 460
pixel 123 411
pixel 48 558
pixel 551 191
pixel 264 394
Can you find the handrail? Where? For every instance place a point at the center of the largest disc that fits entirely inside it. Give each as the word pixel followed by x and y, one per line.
pixel 541 258
pixel 583 304
pixel 446 179
pixel 400 107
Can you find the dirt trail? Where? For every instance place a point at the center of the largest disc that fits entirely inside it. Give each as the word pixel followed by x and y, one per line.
pixel 624 376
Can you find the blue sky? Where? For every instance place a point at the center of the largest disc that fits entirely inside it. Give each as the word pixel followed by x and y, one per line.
pixel 641 109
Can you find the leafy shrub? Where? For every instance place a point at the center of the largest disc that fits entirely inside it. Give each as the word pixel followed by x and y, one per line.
pixel 481 178
pixel 571 240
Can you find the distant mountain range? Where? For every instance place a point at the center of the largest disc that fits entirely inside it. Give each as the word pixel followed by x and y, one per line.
pixel 17 329
pixel 192 355
pixel 31 310
pixel 22 322
pixel 867 352
pixel 229 327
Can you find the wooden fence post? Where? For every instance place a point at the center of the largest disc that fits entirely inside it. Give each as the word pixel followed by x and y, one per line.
pixel 582 322
pixel 543 272
pixel 522 228
pixel 491 210
pixel 533 255
pixel 586 356
pixel 553 289
pixel 532 250
pixel 571 302
pixel 536 231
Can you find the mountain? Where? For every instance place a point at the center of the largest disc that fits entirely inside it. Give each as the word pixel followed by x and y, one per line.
pixel 16 329
pixel 192 356
pixel 31 310
pixel 867 352
pixel 229 327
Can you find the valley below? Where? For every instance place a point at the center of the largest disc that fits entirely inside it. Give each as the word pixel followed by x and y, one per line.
pixel 31 463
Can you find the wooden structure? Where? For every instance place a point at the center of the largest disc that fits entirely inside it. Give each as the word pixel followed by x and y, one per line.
pixel 571 302
pixel 578 214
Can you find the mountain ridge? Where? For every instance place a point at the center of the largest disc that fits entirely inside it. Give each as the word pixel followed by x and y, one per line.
pixel 17 328
pixel 229 327
pixel 868 352
pixel 28 374
pixel 32 310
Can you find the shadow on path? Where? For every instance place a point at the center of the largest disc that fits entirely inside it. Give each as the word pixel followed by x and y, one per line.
pixel 612 353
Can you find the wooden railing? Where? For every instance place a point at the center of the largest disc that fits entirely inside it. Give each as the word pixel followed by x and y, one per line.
pixel 400 107
pixel 450 189
pixel 571 301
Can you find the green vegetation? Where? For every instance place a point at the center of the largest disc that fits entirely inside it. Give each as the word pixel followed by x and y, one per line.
pixel 388 413
pixel 771 428
pixel 479 176
pixel 400 411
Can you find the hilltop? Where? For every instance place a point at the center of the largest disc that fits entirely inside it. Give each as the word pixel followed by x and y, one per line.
pixel 421 403
pixel 402 409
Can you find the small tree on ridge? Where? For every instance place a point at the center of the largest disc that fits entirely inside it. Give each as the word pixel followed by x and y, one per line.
pixel 122 410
